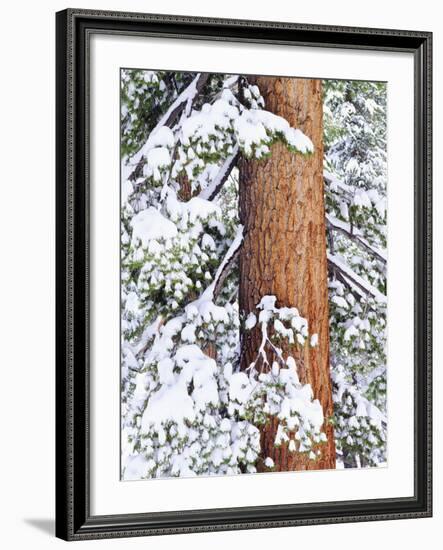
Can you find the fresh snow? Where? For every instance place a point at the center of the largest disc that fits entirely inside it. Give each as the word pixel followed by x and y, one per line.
pixel 151 224
pixel 355 280
pixel 356 234
pixel 170 403
pixel 209 191
pixel 186 408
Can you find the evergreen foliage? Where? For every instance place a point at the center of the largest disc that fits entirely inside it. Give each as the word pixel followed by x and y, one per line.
pixel 186 408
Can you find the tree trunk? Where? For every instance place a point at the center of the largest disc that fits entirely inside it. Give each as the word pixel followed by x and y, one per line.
pixel 281 203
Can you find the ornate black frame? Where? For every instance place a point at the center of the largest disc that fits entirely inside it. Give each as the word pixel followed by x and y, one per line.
pixel 74 28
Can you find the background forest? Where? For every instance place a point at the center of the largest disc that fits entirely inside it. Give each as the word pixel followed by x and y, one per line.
pixel 220 374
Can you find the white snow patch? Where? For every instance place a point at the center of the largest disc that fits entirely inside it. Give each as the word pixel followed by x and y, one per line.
pixel 169 403
pixel 151 224
pixel 136 468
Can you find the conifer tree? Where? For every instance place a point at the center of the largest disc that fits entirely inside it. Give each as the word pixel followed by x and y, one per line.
pixel 188 407
pixel 284 255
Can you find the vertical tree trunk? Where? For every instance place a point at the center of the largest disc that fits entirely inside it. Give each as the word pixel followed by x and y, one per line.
pixel 281 204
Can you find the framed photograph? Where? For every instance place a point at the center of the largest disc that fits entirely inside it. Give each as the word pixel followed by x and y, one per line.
pixel 243 274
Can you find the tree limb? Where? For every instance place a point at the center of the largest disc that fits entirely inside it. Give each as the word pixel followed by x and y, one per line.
pixel 357 283
pixel 225 170
pixel 225 272
pixel 354 234
pixel 330 179
pixel 228 262
pixel 355 291
pixel 180 103
pixel 186 98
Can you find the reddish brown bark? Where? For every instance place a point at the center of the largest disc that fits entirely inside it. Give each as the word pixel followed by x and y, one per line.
pixel 185 190
pixel 281 203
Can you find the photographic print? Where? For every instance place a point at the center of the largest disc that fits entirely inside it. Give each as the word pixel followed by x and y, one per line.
pixel 253 274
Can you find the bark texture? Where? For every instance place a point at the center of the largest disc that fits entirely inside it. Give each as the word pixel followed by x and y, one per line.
pixel 281 203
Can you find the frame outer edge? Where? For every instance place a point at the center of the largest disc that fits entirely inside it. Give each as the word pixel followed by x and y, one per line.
pixel 72 521
pixel 62 409
pixel 242 23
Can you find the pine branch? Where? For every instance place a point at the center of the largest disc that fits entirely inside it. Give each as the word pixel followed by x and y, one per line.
pixel 330 179
pixel 188 95
pixel 357 283
pixel 226 270
pixel 358 394
pixel 355 291
pixel 182 102
pixel 217 183
pixel 209 294
pixel 228 262
pixel 145 339
pixel 228 84
pixel 355 235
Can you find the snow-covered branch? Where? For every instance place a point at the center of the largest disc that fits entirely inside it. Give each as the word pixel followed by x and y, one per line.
pixel 333 182
pixel 355 234
pixel 355 196
pixel 217 183
pixel 354 280
pixel 364 408
pixel 228 262
pixel 366 380
pixel 150 331
pixel 228 84
pixel 183 101
pixel 356 291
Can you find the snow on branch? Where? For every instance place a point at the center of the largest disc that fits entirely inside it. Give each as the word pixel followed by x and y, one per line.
pixel 355 196
pixel 229 84
pixel 357 292
pixel 357 283
pixel 364 407
pixel 336 184
pixel 182 102
pixel 228 261
pixel 205 302
pixel 355 234
pixel 149 332
pixel 217 183
pixel 366 380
